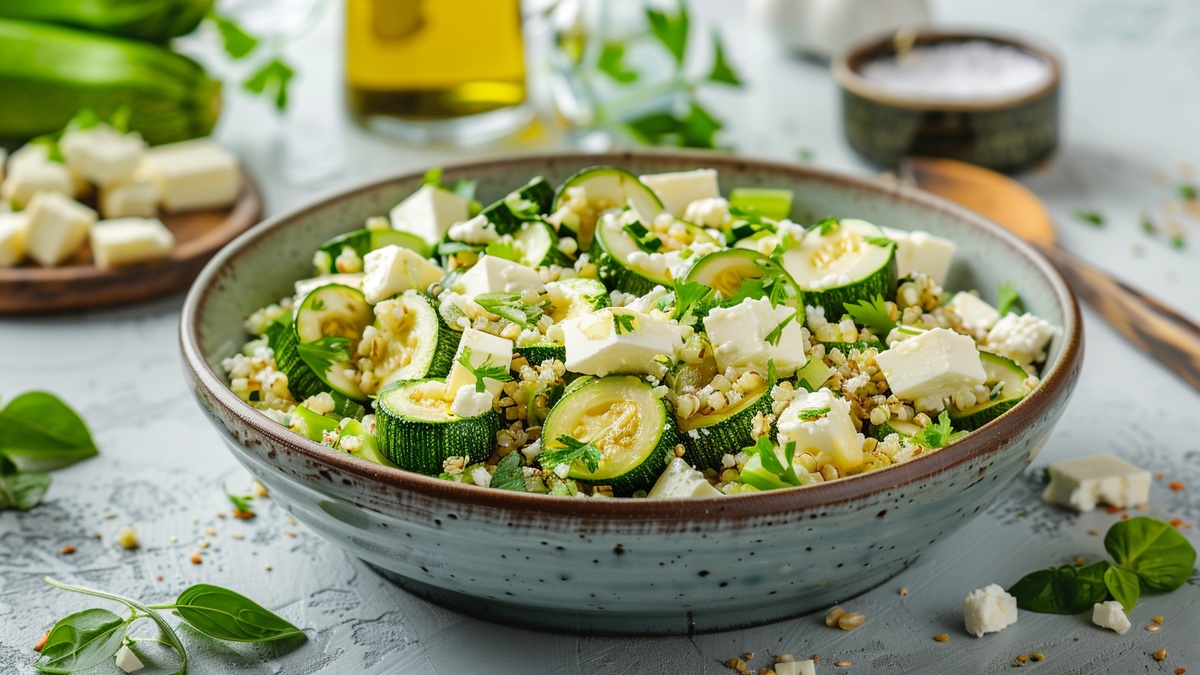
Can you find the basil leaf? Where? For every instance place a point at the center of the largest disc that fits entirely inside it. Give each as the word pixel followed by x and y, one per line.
pixel 81 641
pixel 226 615
pixel 21 490
pixel 39 431
pixel 1161 557
pixel 671 30
pixel 1123 585
pixel 271 80
pixel 722 72
pixel 237 41
pixel 1061 590
pixel 612 63
pixel 509 474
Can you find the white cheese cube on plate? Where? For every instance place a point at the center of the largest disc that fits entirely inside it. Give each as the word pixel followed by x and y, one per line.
pixel 936 363
pixel 13 228
pixel 128 241
pixel 1111 615
pixel 739 337
pixel 680 480
pixel 679 188
pixel 820 424
pixel 485 348
pixel 918 251
pixel 976 314
pixel 57 227
pixel 1084 482
pixel 988 610
pixel 497 275
pixel 1021 338
pixel 26 155
pixel 102 154
pixel 31 178
pixel 619 340
pixel 127 660
pixel 133 198
pixel 392 269
pixel 193 175
pixel 428 213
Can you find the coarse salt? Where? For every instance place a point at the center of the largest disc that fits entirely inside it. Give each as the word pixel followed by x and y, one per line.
pixel 974 71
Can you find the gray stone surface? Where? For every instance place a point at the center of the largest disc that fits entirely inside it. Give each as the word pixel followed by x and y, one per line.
pixel 1133 102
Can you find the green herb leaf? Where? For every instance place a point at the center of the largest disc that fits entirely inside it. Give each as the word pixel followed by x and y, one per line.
pixel 21 490
pixel 645 240
pixel 1123 585
pixel 223 614
pixel 240 502
pixel 722 72
pixel 1062 590
pixel 777 332
pixel 1177 242
pixel 1154 550
pixel 564 488
pixel 692 300
pixel 873 314
pixel 574 449
pixel 938 434
pixel 697 128
pixel 814 414
pixel 82 640
pixel 1188 191
pixel 623 323
pixel 433 177
pixel 1148 225
pixel 769 457
pixel 321 354
pixel 484 371
pixel 1093 218
pixel 271 80
pixel 775 285
pixel 1008 299
pixel 238 43
pixel 827 226
pixel 40 432
pixel 509 306
pixel 671 30
pixel 119 119
pixel 506 248
pixel 509 474
pixel 881 242
pixel 612 63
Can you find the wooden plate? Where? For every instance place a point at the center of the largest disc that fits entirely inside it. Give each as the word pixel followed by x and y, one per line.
pixel 77 284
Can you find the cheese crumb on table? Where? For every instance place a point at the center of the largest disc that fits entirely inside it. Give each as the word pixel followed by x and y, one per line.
pixel 988 610
pixel 1084 482
pixel 1110 615
pixel 127 660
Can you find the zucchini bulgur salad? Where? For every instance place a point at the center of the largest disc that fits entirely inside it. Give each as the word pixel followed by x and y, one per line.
pixel 633 336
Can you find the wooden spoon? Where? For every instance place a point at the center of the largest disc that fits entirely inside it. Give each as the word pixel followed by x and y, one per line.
pixel 1157 329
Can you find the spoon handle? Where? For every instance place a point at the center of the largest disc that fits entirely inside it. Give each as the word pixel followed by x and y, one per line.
pixel 1156 329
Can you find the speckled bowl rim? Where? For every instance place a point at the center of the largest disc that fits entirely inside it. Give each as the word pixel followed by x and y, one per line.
pixel 848 78
pixel 1056 382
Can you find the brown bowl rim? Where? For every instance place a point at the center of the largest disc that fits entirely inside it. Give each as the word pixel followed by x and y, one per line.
pixel 987 440
pixel 845 70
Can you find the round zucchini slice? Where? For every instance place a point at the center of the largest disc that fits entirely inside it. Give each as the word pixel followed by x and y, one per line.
pixel 526 203
pixel 842 262
pixel 360 243
pixel 329 323
pixel 571 298
pixel 302 382
pixel 618 415
pixel 1005 381
pixel 727 272
pixel 708 438
pixel 604 187
pixel 611 251
pixel 417 431
pixel 409 341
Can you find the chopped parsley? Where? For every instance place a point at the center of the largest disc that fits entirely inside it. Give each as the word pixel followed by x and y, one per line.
pixel 322 353
pixel 509 306
pixel 777 332
pixel 827 226
pixel 881 242
pixel 692 299
pixel 487 369
pixel 873 314
pixel 1093 218
pixel 1008 298
pixel 574 449
pixel 787 241
pixel 938 434
pixel 775 285
pixel 623 323
pixel 814 414
pixel 1177 241
pixel 1148 225
pixel 241 503
pixel 645 240
pixel 767 454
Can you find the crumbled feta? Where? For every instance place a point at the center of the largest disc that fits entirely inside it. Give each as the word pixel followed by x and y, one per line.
pixel 127 660
pixel 709 212
pixel 1110 615
pixel 739 337
pixel 820 424
pixel 936 363
pixel 678 189
pixel 471 403
pixel 102 155
pixel 681 480
pixel 988 610
pixel 921 252
pixel 481 477
pixel 57 227
pixel 976 314
pixel 196 174
pixel 485 347
pixel 1083 482
pixel 477 230
pixel 393 269
pixel 128 241
pixel 1021 338
pixel 597 345
pixel 497 275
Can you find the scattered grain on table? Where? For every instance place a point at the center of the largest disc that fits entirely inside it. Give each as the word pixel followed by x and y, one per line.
pixel 127 538
pixel 67 550
pixel 1160 655
pixel 942 637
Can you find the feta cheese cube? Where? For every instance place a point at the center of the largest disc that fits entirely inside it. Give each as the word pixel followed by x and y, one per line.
pixel 477 230
pixel 976 314
pixel 57 227
pixel 918 251
pixel 1110 615
pixel 128 241
pixel 127 660
pixel 739 337
pixel 12 238
pixel 678 189
pixel 805 667
pixel 988 610
pixel 600 343
pixel 936 363
pixel 428 213
pixel 23 183
pixel 1084 482
pixel 820 425
pixel 392 269
pixel 1021 338
pixel 485 347
pixel 133 198
pixel 680 480
pixel 470 403
pixel 102 154
pixel 192 175
pixel 497 275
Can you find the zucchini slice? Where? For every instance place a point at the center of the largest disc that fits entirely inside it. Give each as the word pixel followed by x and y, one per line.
pixel 634 432
pixel 329 323
pixel 356 440
pixel 311 425
pixel 536 354
pixel 773 203
pixel 361 242
pixel 839 262
pixel 754 473
pixel 409 342
pixel 906 429
pixel 1006 379
pixel 611 251
pixel 301 380
pixel 603 188
pixel 418 432
pixel 571 298
pixel 538 245
pixel 708 438
pixel 727 271
pixel 526 203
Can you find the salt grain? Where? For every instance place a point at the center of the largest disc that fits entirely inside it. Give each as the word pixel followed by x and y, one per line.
pixel 976 71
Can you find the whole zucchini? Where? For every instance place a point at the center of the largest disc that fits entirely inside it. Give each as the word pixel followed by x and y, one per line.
pixel 49 73
pixel 153 20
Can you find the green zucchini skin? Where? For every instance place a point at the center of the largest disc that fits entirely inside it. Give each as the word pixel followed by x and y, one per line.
pixel 447 343
pixel 998 369
pixel 301 380
pixel 422 445
pixel 508 221
pixel 721 434
pixel 615 274
pixel 149 20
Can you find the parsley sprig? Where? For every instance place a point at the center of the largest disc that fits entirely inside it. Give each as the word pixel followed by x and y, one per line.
pixel 769 457
pixel 777 332
pixel 509 306
pixel 873 314
pixel 322 353
pixel 692 301
pixel 465 189
pixel 573 449
pixel 623 323
pixel 485 370
pixel 775 285
pixel 938 434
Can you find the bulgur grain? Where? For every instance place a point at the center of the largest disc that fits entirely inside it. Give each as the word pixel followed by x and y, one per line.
pixel 67 550
pixel 834 615
pixel 850 621
pixel 1160 655
pixel 942 637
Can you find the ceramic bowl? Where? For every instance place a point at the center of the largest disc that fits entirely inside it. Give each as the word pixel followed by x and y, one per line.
pixel 629 566
pixel 1008 134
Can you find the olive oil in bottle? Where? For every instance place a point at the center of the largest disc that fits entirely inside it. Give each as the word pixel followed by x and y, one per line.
pixel 436 69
